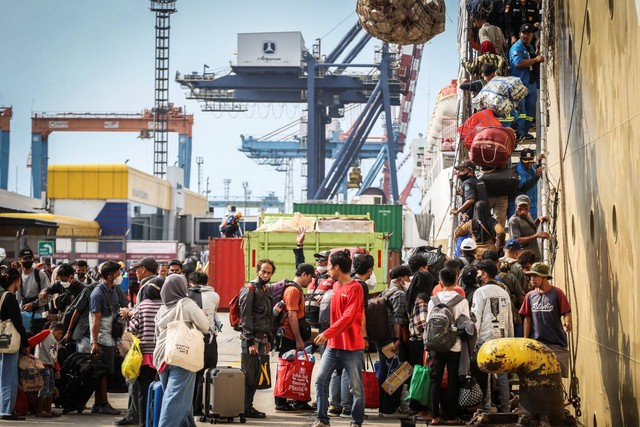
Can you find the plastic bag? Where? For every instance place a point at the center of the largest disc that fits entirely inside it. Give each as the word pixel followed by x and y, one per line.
pixel 420 387
pixel 371 386
pixel 294 379
pixel 132 361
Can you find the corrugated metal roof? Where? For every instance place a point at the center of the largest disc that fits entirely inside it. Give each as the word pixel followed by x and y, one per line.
pixel 387 218
pixel 14 202
pixel 67 226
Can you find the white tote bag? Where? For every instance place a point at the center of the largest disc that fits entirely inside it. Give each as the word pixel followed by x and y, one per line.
pixel 9 336
pixel 184 345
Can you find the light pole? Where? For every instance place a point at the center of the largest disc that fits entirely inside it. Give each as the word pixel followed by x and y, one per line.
pixel 245 187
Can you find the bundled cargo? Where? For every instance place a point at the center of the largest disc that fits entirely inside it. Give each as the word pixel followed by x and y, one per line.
pixel 492 146
pixel 500 94
pixel 474 123
pixel 402 21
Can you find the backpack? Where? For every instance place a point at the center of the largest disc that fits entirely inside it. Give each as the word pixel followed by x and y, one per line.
pixel 378 318
pixel 324 314
pixel 435 257
pixel 234 308
pixel 277 303
pixel 440 332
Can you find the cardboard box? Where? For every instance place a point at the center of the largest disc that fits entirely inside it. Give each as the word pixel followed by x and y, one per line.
pixel 397 378
pixel 387 350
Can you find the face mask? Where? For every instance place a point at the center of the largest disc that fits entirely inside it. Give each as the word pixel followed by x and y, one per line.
pixel 262 282
pixel 117 281
pixel 27 264
pixel 81 276
pixel 371 282
pixel 464 177
pixel 406 284
pixel 479 280
pixel 65 284
pixel 322 269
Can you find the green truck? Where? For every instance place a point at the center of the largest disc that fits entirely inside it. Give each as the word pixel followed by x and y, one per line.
pixel 278 246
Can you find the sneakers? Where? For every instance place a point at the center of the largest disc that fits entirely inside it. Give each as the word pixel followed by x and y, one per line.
pixel 318 423
pixel 394 415
pixel 303 407
pixel 527 137
pixel 124 422
pixel 334 412
pixel 254 413
pixel 107 409
pixel 355 425
pixel 345 414
pixel 287 407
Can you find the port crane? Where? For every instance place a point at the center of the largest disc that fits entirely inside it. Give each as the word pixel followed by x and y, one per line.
pixel 44 124
pixel 322 83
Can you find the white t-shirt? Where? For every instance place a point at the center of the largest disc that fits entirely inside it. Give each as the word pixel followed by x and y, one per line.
pixel 459 309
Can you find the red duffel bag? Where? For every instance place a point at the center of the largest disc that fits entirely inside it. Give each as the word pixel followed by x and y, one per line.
pixel 492 146
pixel 474 123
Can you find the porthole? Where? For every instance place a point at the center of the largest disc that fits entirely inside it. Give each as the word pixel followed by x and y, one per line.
pixel 592 226
pixel 587 24
pixel 614 224
pixel 610 14
pixel 573 230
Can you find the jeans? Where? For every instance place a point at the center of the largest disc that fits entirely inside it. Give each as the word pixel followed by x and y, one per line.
pixel 353 364
pixel 450 359
pixel 389 403
pixel 415 357
pixel 339 396
pixel 526 110
pixel 177 403
pixel 8 382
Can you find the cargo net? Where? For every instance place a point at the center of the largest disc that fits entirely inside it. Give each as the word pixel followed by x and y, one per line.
pixel 402 21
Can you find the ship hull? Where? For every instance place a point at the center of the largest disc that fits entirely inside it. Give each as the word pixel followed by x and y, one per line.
pixel 593 161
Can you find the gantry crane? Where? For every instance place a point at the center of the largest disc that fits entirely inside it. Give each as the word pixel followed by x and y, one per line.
pixel 6 113
pixel 43 124
pixel 322 84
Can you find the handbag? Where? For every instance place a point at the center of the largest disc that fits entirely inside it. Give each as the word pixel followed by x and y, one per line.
pixel 370 384
pixel 264 373
pixel 30 373
pixel 184 346
pixel 119 325
pixel 294 378
pixel 470 393
pixel 133 360
pixel 9 336
pixel 420 387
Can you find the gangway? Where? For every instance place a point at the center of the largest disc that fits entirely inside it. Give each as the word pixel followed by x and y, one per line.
pixel 44 124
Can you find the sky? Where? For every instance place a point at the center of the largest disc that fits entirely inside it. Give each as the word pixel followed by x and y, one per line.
pixel 98 56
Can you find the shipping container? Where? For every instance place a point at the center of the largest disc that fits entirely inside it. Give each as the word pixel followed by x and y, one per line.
pixel 283 49
pixel 387 218
pixel 226 268
pixel 278 246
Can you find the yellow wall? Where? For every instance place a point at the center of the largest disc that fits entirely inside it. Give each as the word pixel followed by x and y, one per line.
pixel 194 204
pixel 107 182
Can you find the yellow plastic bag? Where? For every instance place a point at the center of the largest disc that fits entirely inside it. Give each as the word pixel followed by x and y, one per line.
pixel 132 361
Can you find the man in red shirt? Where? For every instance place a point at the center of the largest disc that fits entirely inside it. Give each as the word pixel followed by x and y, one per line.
pixel 344 340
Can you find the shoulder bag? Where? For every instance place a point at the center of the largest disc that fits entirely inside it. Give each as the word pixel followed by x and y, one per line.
pixel 118 326
pixel 9 336
pixel 184 345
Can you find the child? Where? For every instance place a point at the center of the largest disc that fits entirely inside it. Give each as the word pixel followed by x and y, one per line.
pixel 46 343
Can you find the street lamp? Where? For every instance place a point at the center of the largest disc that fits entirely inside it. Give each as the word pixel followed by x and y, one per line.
pixel 245 187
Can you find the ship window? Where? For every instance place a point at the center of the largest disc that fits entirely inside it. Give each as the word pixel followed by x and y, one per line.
pixel 587 25
pixel 592 226
pixel 614 222
pixel 573 230
pixel 610 9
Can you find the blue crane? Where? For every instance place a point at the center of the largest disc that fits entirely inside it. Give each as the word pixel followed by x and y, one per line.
pixel 322 84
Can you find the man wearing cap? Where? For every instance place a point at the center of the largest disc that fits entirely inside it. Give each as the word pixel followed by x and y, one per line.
pixel 529 169
pixel 31 285
pixel 509 262
pixel 293 298
pixel 468 249
pixel 521 65
pixel 547 314
pixel 472 188
pixel 524 228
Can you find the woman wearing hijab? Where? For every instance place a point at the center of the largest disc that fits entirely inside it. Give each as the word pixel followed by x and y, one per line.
pixel 418 296
pixel 10 280
pixel 142 325
pixel 484 229
pixel 178 383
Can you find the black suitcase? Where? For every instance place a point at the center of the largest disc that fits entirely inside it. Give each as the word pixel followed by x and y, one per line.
pixel 501 182
pixel 223 394
pixel 79 378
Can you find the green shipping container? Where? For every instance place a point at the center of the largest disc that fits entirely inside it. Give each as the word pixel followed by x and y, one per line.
pixel 279 246
pixel 387 218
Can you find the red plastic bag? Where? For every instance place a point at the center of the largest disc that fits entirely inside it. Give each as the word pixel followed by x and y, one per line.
pixel 371 387
pixel 294 379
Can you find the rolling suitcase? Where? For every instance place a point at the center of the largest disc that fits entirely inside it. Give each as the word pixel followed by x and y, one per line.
pixel 154 404
pixel 223 394
pixel 79 378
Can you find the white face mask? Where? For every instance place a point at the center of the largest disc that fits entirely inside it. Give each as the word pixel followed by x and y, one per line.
pixel 65 284
pixel 322 269
pixel 406 284
pixel 117 281
pixel 372 282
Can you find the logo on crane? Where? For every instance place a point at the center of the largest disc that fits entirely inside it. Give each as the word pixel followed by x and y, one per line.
pixel 269 47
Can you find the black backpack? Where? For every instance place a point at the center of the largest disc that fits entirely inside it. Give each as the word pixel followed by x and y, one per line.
pixel 441 333
pixel 378 318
